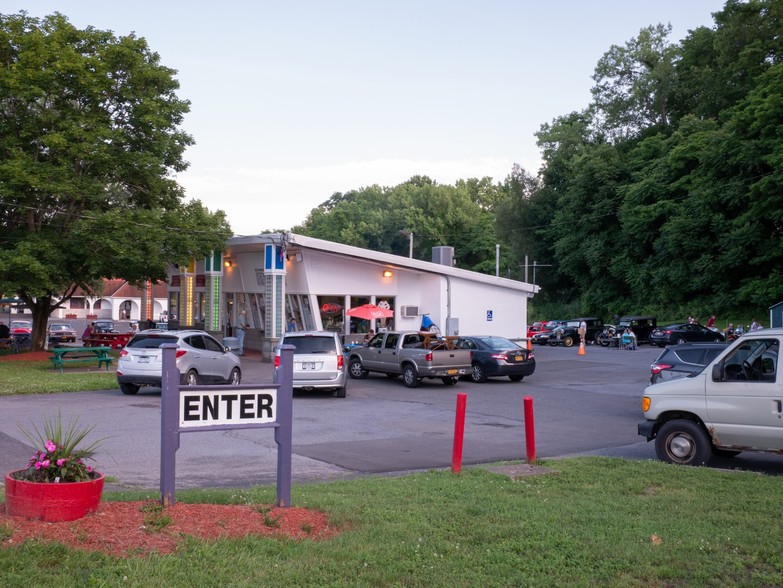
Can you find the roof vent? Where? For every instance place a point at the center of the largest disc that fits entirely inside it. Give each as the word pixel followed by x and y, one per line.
pixel 443 255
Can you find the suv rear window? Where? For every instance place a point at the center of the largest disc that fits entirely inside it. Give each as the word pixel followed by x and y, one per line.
pixel 312 344
pixel 150 341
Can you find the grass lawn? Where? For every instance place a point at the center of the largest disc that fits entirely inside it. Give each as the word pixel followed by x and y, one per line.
pixel 592 522
pixel 39 377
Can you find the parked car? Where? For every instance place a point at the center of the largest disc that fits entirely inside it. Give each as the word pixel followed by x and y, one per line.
pixel 734 404
pixel 568 334
pixel 679 361
pixel 534 328
pixel 103 326
pixel 542 337
pixel 61 333
pixel 200 360
pixel 319 363
pixel 497 356
pixel 684 333
pixel 21 328
pixel 641 326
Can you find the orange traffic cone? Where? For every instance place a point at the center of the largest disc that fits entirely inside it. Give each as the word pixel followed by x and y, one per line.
pixel 581 349
pixel 530 345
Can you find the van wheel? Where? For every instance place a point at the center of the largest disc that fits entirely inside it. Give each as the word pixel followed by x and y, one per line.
pixel 356 371
pixel 683 442
pixel 340 392
pixel 129 389
pixel 410 377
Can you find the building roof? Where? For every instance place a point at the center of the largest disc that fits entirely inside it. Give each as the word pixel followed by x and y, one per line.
pixel 297 242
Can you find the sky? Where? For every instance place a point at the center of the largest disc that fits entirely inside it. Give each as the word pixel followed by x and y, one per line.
pixel 293 101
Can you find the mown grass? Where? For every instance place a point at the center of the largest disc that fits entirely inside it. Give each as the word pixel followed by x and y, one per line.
pixel 38 377
pixel 594 522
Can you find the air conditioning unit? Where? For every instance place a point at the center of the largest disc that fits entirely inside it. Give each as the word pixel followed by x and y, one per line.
pixel 409 311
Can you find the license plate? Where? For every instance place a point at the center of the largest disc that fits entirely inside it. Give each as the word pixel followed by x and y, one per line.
pixel 308 365
pixel 451 372
pixel 144 359
pixel 516 358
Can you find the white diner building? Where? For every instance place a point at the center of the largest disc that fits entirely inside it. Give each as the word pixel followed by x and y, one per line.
pixel 289 281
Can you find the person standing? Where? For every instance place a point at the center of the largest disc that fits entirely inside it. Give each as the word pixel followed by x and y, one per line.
pixel 241 326
pixel 582 331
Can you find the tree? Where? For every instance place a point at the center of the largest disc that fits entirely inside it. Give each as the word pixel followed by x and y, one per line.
pixel 633 83
pixel 89 145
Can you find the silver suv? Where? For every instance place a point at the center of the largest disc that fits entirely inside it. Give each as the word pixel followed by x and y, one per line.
pixel 200 360
pixel 319 362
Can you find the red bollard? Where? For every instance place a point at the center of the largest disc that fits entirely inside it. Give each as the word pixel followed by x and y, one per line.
pixel 459 433
pixel 530 430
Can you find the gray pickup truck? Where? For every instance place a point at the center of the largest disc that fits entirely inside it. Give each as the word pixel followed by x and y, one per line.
pixel 411 354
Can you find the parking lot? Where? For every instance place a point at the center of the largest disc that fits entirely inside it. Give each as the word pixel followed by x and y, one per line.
pixel 586 404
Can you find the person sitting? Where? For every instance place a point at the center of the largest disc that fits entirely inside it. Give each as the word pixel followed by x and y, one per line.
pixel 369 335
pixel 628 339
pixel 87 335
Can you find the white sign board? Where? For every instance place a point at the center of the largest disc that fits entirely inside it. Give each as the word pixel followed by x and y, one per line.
pixel 229 407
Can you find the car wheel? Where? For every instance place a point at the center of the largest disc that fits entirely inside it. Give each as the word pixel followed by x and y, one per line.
pixel 356 371
pixel 450 381
pixel 129 389
pixel 235 378
pixel 568 341
pixel 553 343
pixel 478 374
pixel 681 340
pixel 516 378
pixel 409 376
pixel 683 442
pixel 191 378
pixel 340 392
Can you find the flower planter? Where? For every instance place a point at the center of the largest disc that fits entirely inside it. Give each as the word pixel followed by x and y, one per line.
pixel 70 316
pixel 53 503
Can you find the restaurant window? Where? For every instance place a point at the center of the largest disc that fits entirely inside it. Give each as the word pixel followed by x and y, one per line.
pixel 332 311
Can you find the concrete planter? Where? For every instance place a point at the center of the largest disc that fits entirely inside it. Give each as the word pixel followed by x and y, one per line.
pixel 50 502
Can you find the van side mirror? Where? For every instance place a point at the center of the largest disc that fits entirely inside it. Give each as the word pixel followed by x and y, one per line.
pixel 717 372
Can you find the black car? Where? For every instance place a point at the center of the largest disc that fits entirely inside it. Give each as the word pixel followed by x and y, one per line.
pixel 497 356
pixel 685 333
pixel 542 337
pixel 103 326
pixel 568 334
pixel 642 326
pixel 679 361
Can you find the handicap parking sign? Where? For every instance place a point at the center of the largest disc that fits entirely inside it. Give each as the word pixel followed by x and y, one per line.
pixel 489 315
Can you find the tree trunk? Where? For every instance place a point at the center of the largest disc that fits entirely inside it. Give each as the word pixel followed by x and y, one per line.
pixel 41 309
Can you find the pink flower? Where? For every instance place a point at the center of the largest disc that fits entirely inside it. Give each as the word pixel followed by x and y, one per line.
pixel 89 469
pixel 45 463
pixel 60 462
pixel 50 446
pixel 38 465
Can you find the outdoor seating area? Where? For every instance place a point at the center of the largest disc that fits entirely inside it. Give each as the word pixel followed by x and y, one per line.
pixel 62 355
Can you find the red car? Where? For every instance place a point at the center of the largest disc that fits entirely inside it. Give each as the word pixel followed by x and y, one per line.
pixel 21 328
pixel 534 328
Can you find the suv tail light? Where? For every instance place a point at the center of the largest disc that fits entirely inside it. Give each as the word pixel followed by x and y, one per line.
pixel 180 353
pixel 340 361
pixel 277 361
pixel 657 368
pixel 123 353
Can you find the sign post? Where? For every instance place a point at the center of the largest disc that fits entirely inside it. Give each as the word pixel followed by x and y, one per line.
pixel 212 408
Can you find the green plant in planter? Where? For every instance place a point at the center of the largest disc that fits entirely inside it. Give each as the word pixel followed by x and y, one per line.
pixel 60 459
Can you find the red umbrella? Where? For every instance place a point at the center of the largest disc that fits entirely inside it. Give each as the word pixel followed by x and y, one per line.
pixel 369 312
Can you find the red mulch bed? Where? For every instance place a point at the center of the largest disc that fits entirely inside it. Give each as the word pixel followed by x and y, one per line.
pixel 119 528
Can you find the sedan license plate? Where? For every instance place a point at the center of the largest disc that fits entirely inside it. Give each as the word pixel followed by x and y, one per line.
pixel 144 359
pixel 515 358
pixel 308 365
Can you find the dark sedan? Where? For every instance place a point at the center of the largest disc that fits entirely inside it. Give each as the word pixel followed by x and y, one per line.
pixel 679 361
pixel 61 333
pixel 684 333
pixel 497 356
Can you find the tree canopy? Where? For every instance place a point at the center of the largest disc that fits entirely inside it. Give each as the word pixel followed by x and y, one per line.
pixel 90 146
pixel 664 194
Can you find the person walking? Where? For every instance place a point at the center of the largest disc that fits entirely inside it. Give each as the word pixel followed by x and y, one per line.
pixel 240 328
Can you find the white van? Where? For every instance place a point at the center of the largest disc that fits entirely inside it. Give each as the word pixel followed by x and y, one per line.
pixel 734 404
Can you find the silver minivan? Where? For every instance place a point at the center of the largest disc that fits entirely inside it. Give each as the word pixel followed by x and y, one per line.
pixel 319 363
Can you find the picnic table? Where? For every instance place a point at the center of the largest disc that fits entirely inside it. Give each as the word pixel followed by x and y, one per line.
pixel 113 340
pixel 62 355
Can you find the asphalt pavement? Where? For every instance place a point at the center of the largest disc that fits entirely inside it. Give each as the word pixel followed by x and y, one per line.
pixel 583 405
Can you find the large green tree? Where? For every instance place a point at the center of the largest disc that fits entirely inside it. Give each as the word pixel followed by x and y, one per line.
pixel 89 148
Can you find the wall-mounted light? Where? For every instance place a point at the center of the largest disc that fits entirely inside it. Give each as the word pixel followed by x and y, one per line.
pixel 228 263
pixel 387 273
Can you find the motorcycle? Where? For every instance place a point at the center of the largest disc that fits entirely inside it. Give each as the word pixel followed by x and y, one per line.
pixel 605 337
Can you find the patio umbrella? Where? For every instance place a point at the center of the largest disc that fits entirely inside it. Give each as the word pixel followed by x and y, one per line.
pixel 369 312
